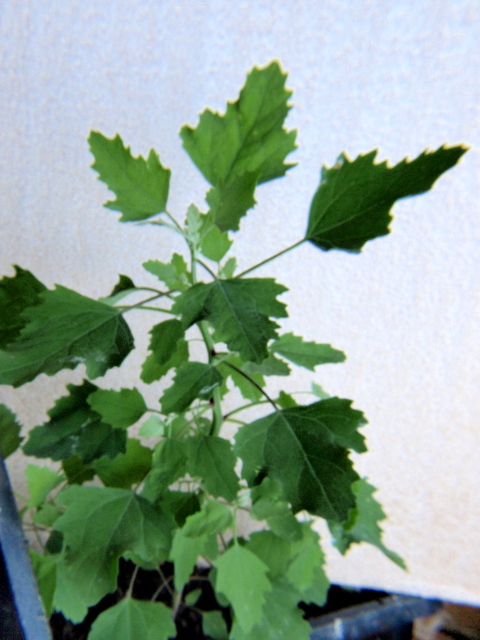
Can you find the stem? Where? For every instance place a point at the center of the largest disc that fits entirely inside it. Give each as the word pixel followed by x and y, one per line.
pixel 252 381
pixel 132 580
pixel 276 255
pixel 207 268
pixel 245 406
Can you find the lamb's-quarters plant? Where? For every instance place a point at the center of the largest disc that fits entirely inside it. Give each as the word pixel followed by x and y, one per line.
pixel 178 499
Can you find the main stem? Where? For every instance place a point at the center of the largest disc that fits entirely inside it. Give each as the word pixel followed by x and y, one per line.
pixel 217 417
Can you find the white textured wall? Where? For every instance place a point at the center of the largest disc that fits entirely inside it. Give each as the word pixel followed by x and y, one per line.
pixel 399 74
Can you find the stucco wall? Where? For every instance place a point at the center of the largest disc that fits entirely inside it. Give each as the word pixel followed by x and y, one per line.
pixel 402 75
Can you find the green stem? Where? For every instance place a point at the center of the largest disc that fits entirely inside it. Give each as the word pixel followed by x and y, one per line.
pixel 207 338
pixel 276 255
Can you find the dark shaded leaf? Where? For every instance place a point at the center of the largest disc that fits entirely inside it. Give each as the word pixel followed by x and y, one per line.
pixel 193 380
pixel 16 294
pixel 9 432
pixel 212 459
pixel 352 204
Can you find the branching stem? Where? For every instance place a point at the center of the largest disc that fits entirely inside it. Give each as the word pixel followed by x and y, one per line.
pixel 274 257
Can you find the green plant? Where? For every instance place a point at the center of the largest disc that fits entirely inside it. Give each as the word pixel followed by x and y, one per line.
pixel 178 498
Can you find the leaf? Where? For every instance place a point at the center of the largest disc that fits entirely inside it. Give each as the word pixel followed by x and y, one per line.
pixel 305 354
pixel 180 504
pixel 75 429
pixel 362 523
pixel 153 427
pixel 306 571
pixel 285 400
pixel 238 310
pixel 193 380
pixel 99 526
pixel 174 274
pixel 184 555
pixel 306 452
pixel 246 146
pixel 281 617
pixel 124 287
pixel 168 349
pixel 120 409
pixel 269 504
pixel 76 471
pixel 215 244
pixel 45 569
pixel 9 432
pixel 352 204
pixel 212 459
pixel 141 186
pixel 214 625
pixel 271 366
pixel 212 519
pixel 40 482
pixel 242 578
pixel 249 446
pixel 16 294
pixel 169 463
pixel 133 619
pixel 271 550
pixel 126 469
pixel 248 390
pixel 66 329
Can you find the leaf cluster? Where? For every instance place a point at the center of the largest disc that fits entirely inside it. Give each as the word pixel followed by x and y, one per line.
pixel 174 490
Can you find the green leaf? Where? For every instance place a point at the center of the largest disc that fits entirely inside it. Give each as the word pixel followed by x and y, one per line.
pixel 174 274
pixel 124 287
pixel 193 380
pixel 75 429
pixel 249 445
pixel 285 400
pixel 238 310
pixel 247 145
pixel 47 515
pixel 45 570
pixel 40 482
pixel 133 619
pixel 230 201
pixel 120 409
pixel 271 550
pixel 271 366
pixel 352 204
pixel 168 349
pixel 318 391
pixel 306 571
pixel 269 504
pixel 180 504
pixel 305 354
pixel 212 459
pixel 212 519
pixel 16 294
pixel 281 617
pixel 99 526
pixel 66 329
pixel 153 427
pixel 184 555
pixel 215 244
pixel 242 578
pixel 228 269
pixel 126 469
pixel 214 625
pixel 168 465
pixel 306 452
pixel 76 471
pixel 141 186
pixel 362 523
pixel 9 432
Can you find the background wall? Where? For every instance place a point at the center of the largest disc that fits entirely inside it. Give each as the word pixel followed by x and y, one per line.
pixel 402 75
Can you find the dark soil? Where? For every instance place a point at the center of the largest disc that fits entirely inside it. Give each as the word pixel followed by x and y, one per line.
pixel 188 620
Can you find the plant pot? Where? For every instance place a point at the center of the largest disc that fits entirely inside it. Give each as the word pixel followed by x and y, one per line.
pixel 388 618
pixel 21 612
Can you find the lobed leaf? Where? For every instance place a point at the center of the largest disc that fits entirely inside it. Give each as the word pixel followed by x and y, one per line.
pixel 212 459
pixel 9 432
pixel 242 578
pixel 193 380
pixel 16 294
pixel 238 311
pixel 126 469
pixel 141 186
pixel 244 147
pixel 133 619
pixel 100 525
pixel 74 429
pixel 352 204
pixel 119 409
pixel 305 354
pixel 63 331
pixel 362 523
